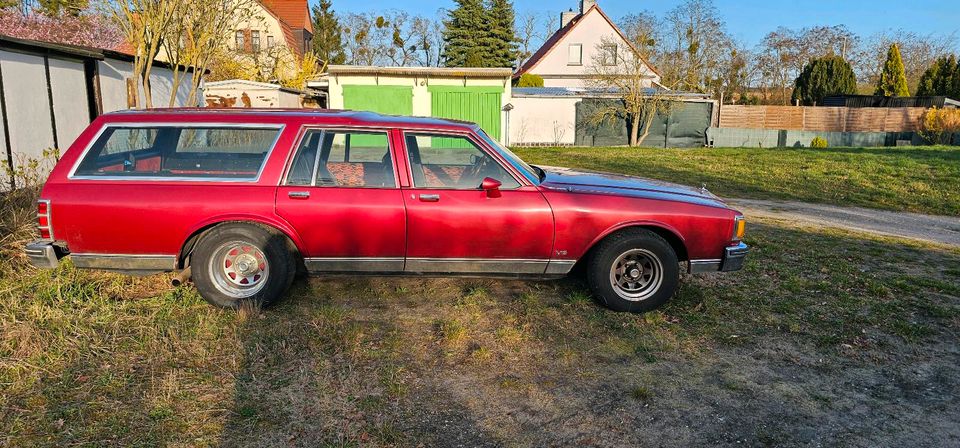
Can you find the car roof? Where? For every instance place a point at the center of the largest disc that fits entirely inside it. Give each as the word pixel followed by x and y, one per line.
pixel 333 116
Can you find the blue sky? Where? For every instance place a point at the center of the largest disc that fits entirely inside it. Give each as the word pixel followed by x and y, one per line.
pixel 747 20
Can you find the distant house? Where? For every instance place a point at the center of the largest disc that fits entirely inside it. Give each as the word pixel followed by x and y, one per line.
pixel 277 22
pixel 567 57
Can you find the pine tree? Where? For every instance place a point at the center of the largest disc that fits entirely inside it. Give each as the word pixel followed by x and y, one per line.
pixel 464 34
pixel 829 75
pixel 501 36
pixel 326 40
pixel 893 80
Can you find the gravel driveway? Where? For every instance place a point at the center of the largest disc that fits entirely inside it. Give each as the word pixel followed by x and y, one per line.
pixel 930 228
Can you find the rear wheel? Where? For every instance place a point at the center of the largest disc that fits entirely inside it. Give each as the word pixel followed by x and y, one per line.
pixel 240 264
pixel 634 270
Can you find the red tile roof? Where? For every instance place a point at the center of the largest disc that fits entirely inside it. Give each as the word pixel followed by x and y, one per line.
pixel 558 36
pixel 296 13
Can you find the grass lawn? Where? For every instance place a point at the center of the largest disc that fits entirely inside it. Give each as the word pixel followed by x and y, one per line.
pixel 915 179
pixel 825 338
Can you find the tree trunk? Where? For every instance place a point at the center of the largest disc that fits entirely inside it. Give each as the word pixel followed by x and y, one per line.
pixel 634 129
pixel 646 129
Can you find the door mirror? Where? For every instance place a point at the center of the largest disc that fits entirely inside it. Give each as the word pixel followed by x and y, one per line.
pixel 491 186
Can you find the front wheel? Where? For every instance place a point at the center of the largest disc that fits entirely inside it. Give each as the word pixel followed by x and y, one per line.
pixel 239 264
pixel 633 270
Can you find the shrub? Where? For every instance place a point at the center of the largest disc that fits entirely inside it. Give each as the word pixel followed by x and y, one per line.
pixel 529 80
pixel 937 126
pixel 818 142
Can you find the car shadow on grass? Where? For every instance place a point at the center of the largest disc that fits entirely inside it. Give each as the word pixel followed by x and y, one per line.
pixel 826 337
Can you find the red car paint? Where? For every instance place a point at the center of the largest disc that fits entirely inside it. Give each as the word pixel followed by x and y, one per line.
pixel 558 218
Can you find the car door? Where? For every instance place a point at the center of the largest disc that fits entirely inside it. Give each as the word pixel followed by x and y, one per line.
pixel 455 226
pixel 341 195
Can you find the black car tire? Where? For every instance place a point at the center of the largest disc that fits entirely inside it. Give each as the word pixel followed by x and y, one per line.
pixel 638 252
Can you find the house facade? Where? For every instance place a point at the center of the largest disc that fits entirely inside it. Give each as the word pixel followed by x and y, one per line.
pixel 273 23
pixel 585 38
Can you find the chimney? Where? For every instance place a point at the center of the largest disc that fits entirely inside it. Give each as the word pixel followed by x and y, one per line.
pixel 585 5
pixel 566 17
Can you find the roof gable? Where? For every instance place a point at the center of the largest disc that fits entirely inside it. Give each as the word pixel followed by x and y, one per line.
pixel 557 38
pixel 295 13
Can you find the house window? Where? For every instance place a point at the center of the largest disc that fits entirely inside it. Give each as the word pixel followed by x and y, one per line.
pixel 255 40
pixel 239 38
pixel 610 54
pixel 575 54
pixel 269 41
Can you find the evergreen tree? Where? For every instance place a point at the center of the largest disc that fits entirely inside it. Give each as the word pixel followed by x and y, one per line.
pixel 465 34
pixel 501 36
pixel 326 39
pixel 893 79
pixel 829 75
pixel 941 79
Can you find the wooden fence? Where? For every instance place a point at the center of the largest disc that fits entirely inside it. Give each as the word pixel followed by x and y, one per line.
pixel 804 118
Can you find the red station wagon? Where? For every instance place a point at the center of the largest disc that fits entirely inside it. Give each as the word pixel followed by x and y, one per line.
pixel 242 200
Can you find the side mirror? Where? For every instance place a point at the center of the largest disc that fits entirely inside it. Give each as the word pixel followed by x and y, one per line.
pixel 491 186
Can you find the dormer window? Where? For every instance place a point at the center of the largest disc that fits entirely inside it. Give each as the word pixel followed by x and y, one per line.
pixel 575 54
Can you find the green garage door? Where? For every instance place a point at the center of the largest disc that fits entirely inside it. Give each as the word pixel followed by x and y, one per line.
pixel 393 100
pixel 480 105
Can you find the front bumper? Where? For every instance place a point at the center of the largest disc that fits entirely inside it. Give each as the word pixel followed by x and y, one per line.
pixel 42 254
pixel 733 258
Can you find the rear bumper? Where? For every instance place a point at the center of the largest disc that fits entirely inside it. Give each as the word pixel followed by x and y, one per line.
pixel 42 254
pixel 733 258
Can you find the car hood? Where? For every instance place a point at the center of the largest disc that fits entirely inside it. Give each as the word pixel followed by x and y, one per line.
pixel 582 181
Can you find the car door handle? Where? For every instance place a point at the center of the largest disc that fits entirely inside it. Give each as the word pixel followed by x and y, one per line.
pixel 299 194
pixel 430 197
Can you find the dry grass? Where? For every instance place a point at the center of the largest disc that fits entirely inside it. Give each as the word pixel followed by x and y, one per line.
pixel 821 325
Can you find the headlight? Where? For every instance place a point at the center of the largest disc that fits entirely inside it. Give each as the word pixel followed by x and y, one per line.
pixel 739 227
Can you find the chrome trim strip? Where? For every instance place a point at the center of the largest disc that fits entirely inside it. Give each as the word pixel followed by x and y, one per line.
pixel 169 124
pixel 560 267
pixel 125 262
pixel 477 265
pixel 705 265
pixel 354 264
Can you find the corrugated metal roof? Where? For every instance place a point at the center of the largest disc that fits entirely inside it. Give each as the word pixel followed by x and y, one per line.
pixel 593 92
pixel 440 72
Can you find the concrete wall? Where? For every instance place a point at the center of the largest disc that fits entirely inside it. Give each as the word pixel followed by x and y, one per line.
pixel 592 31
pixel 771 138
pixel 543 120
pixel 421 92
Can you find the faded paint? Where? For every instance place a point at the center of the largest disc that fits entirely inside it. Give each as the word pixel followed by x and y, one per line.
pixel 231 94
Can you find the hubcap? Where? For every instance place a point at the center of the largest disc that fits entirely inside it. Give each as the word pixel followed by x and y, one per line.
pixel 239 269
pixel 636 274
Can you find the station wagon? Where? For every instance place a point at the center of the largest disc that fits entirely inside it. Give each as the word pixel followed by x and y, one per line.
pixel 242 200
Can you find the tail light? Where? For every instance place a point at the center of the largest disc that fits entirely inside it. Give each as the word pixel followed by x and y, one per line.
pixel 43 219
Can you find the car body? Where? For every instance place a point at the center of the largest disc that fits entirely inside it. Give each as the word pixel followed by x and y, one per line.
pixel 347 193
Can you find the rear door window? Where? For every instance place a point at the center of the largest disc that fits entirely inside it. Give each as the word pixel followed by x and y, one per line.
pixel 180 152
pixel 349 159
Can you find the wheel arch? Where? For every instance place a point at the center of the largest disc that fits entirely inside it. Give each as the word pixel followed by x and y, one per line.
pixel 665 231
pixel 294 244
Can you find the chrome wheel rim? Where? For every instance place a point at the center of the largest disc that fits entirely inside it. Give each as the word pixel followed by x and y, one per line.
pixel 636 274
pixel 239 269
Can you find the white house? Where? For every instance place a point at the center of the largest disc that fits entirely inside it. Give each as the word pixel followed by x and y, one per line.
pixel 566 59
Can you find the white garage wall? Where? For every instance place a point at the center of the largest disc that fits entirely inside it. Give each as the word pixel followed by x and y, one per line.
pixel 68 83
pixel 113 85
pixel 543 120
pixel 28 108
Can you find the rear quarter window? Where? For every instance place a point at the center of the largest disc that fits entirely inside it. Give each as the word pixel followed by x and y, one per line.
pixel 179 152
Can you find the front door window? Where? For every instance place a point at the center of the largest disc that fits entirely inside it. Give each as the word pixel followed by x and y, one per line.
pixel 453 162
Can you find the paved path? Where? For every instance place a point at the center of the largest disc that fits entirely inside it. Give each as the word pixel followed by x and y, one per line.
pixel 931 228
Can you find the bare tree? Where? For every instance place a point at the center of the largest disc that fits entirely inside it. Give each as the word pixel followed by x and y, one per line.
pixel 698 44
pixel 143 23
pixel 200 29
pixel 919 51
pixel 427 38
pixel 624 74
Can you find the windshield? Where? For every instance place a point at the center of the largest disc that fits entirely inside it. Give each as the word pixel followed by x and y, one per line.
pixel 528 171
